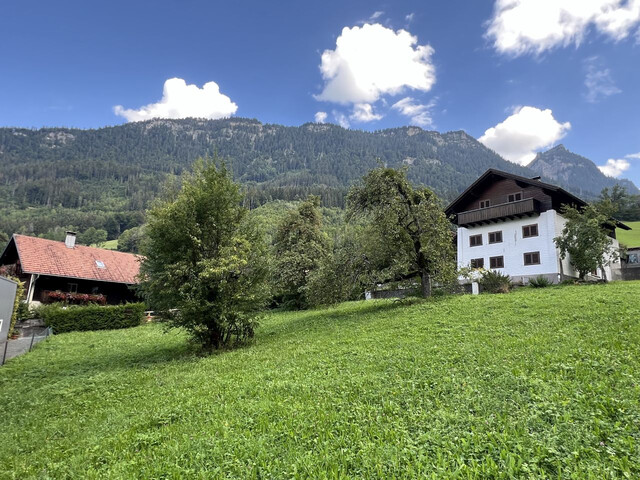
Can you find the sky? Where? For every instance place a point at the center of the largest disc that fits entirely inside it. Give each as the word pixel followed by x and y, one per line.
pixel 520 75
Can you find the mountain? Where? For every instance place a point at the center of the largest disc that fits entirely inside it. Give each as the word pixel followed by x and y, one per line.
pixel 105 178
pixel 576 172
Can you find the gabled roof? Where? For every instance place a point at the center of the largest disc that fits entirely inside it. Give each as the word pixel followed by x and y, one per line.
pixel 48 257
pixel 491 175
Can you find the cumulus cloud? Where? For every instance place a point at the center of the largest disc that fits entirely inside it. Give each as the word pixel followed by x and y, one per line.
pixel 321 117
pixel 341 118
pixel 598 82
pixel 371 61
pixel 363 112
pixel 534 26
pixel 523 133
pixel 180 100
pixel 614 167
pixel 420 114
pixel 633 155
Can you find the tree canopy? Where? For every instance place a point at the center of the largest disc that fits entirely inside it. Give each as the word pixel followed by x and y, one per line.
pixel 412 226
pixel 204 267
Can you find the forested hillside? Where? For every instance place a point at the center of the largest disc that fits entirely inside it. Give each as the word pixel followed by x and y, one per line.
pixel 105 178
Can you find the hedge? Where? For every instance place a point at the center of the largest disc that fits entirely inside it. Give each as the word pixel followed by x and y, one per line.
pixel 76 318
pixel 16 303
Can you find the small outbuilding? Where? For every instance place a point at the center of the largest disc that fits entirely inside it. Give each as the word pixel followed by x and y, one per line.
pixel 55 270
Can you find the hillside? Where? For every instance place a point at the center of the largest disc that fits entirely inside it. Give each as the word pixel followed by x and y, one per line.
pixel 630 238
pixel 568 168
pixel 532 384
pixel 105 178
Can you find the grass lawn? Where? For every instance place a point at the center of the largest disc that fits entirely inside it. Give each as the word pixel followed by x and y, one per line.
pixel 631 238
pixel 533 384
pixel 109 244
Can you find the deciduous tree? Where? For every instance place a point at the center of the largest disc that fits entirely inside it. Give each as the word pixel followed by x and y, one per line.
pixel 412 225
pixel 204 267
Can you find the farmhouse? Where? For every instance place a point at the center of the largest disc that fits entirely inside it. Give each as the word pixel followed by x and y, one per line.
pixel 51 268
pixel 507 223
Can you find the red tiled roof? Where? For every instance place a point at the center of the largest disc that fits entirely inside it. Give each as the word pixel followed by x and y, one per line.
pixel 48 257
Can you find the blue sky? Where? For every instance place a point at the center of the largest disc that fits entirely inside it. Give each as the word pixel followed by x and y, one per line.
pixel 521 75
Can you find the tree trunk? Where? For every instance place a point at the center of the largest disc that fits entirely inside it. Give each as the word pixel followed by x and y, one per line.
pixel 425 280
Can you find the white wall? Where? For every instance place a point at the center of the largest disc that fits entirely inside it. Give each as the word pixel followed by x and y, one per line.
pixel 514 246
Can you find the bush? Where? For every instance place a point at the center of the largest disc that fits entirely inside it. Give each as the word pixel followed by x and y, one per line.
pixel 16 305
pixel 495 282
pixel 93 317
pixel 540 282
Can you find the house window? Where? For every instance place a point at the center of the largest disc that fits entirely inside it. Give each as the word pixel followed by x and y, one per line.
pixel 514 197
pixel 530 231
pixel 73 287
pixel 475 240
pixel 94 290
pixel 100 264
pixel 532 258
pixel 477 263
pixel 484 203
pixel 496 262
pixel 495 237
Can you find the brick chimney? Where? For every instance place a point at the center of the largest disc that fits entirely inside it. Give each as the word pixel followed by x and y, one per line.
pixel 70 240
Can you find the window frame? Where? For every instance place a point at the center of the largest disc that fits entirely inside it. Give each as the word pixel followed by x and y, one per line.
pixel 479 235
pixel 485 203
pixel 491 259
pixel 524 258
pixel 537 234
pixel 481 260
pixel 514 197
pixel 72 287
pixel 493 233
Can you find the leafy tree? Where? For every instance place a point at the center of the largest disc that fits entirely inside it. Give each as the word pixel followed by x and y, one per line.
pixel 585 238
pixel 129 240
pixel 299 247
pixel 619 203
pixel 413 227
pixel 204 267
pixel 92 236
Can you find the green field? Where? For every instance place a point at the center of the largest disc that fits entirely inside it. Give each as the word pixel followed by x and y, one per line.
pixel 109 244
pixel 533 384
pixel 631 238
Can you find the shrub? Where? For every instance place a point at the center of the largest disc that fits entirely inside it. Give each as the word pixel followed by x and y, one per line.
pixel 93 317
pixel 540 282
pixel 16 305
pixel 495 282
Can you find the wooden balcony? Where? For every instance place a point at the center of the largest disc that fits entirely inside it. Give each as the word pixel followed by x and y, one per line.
pixel 505 211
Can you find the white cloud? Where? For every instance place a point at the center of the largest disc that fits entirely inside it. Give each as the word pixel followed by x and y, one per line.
pixel 371 61
pixel 525 132
pixel 420 114
pixel 321 117
pixel 409 18
pixel 598 82
pixel 180 100
pixel 363 112
pixel 633 155
pixel 614 167
pixel 341 118
pixel 376 14
pixel 534 26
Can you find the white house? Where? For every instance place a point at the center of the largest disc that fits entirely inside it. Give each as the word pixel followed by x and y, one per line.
pixel 507 223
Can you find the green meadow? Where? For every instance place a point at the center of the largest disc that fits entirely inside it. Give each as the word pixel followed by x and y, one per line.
pixel 532 384
pixel 631 238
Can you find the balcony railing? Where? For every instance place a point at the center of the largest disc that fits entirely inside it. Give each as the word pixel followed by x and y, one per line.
pixel 521 208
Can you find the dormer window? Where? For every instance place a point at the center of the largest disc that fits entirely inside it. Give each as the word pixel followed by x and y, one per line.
pixel 515 197
pixel 485 203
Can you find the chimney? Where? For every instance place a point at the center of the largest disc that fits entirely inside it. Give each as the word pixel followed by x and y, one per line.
pixel 70 240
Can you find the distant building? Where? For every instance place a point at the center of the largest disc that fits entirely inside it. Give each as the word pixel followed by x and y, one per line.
pixel 49 268
pixel 507 223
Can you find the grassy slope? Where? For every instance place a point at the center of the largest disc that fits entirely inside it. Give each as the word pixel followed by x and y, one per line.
pixel 631 238
pixel 536 383
pixel 109 244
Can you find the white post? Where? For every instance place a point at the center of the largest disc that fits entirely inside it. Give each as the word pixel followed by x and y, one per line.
pixel 32 288
pixel 475 288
